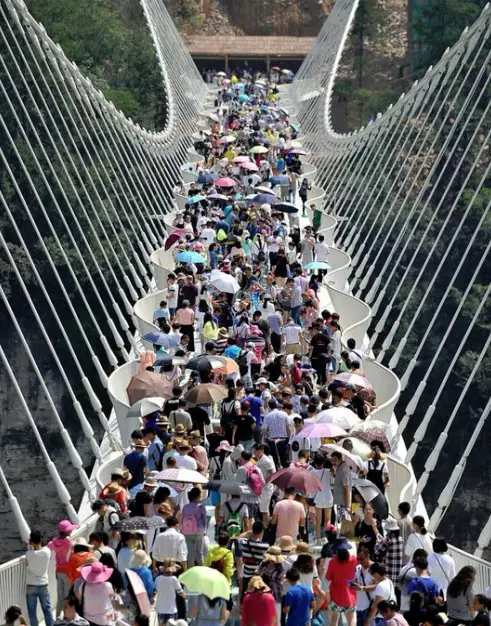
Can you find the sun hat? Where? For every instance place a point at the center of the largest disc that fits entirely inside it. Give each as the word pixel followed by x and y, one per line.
pixel 256 583
pixel 341 544
pixel 119 472
pixel 391 524
pixel 65 526
pixel 302 548
pixel 286 544
pixel 225 447
pixel 162 420
pixel 261 381
pixel 150 482
pixel 165 508
pixel 274 554
pixel 96 573
pixel 113 488
pixel 223 332
pixel 140 559
pixel 184 445
pixel 179 428
pixel 195 434
pixel 81 541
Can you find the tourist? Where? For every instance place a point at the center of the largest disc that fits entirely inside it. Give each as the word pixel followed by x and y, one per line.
pixel 62 546
pixel 258 606
pixel 390 550
pixel 193 526
pixel 140 563
pixel 70 615
pixel 364 585
pixel 441 565
pixel 459 597
pixel 96 594
pixel 38 558
pixel 289 515
pixel 419 538
pixel 299 600
pixel 341 571
pixel 384 590
pixel 388 610
pixel 81 553
pixel 249 552
pixel 170 544
pixel 168 589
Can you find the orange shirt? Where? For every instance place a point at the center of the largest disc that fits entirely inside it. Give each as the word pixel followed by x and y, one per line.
pixel 75 562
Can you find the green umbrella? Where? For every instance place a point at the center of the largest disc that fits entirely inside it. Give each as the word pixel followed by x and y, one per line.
pixel 258 150
pixel 207 581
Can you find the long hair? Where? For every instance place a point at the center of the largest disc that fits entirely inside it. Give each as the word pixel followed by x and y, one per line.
pixel 419 520
pixel 305 563
pixel 343 555
pixel 462 581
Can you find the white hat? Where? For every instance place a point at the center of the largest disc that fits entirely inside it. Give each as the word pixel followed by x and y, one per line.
pixel 261 381
pixel 391 524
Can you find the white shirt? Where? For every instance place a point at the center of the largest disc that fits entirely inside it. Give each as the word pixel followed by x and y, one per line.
pixel 209 234
pixel 276 423
pixel 267 466
pixel 292 333
pixel 442 570
pixel 166 588
pixel 172 293
pixel 321 251
pixel 336 343
pixel 385 591
pixel 356 355
pixel 187 462
pixel 170 544
pixel 38 566
pixel 363 597
pixel 415 541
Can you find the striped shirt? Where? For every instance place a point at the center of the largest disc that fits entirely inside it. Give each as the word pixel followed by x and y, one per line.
pixel 252 552
pixel 220 345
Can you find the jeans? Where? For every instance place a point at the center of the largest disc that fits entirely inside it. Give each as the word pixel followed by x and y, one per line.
pixel 320 364
pixel 41 593
pixel 295 313
pixel 194 544
pixel 62 589
pixel 361 617
pixel 248 445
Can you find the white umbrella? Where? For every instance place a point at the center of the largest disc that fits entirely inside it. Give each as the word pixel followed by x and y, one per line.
pixel 227 139
pixel 212 116
pixel 180 475
pixel 371 424
pixel 351 459
pixel 264 189
pixel 224 282
pixel 221 74
pixel 146 406
pixel 341 416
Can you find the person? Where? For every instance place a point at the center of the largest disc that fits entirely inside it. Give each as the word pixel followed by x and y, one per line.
pixel 405 524
pixel 459 597
pixel 220 557
pixel 364 584
pixel 14 617
pixel 180 417
pixel 319 352
pixel 249 553
pixel 170 544
pixel 289 515
pixel 70 615
pixel 193 526
pixel 423 582
pixel 96 594
pixel 140 563
pixel 125 550
pixel 38 558
pixel 186 317
pixel 267 466
pixel 277 430
pixel 419 538
pixel 155 451
pixel 441 565
pixel 81 553
pixel 375 469
pixel 480 607
pixel 299 600
pixel 243 429
pixel 417 612
pixel 167 589
pixel 206 612
pixel 162 313
pixel 342 484
pixel 61 546
pixel 341 571
pixel 305 564
pixel 390 550
pixel 137 464
pixel 388 610
pixel 406 575
pixel 323 500
pixel 99 542
pixel 258 607
pixel 384 590
pixel 272 570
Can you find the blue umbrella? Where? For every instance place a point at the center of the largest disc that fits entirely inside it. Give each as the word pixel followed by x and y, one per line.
pixel 266 198
pixel 190 257
pixel 206 178
pixel 279 180
pixel 243 97
pixel 195 199
pixel 317 265
pixel 159 339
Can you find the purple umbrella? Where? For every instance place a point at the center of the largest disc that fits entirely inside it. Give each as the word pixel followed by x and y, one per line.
pixel 266 198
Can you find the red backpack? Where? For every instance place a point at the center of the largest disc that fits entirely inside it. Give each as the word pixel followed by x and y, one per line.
pixel 254 480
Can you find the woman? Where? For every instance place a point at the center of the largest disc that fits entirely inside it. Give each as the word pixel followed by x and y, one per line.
pixel 125 550
pixel 270 289
pixel 340 571
pixel 384 590
pixel 272 571
pixel 306 565
pixel 280 267
pixel 115 579
pixel 308 245
pixel 140 563
pixel 459 597
pixel 390 550
pixel 418 539
pixel 96 594
pixel 323 500
pixel 185 317
pixel 335 336
pixel 203 309
pixel 368 529
pixel 258 606
pixel 208 612
pixel 193 526
pixel 242 330
pixel 229 409
pixel 441 565
pixel 209 331
pixel 304 191
pixel 13 616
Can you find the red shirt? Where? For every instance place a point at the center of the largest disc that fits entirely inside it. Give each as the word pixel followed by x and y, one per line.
pixel 258 609
pixel 339 574
pixel 296 374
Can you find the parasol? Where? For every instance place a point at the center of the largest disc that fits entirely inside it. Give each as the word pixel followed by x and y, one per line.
pixel 208 393
pixel 180 475
pixel 299 478
pixel 225 182
pixel 146 406
pixel 371 493
pixel 285 207
pixel 173 238
pixel 139 523
pixel 226 283
pixel 342 416
pixel 207 581
pixel 351 459
pixel 190 257
pixel 328 430
pixel 146 385
pixel 317 265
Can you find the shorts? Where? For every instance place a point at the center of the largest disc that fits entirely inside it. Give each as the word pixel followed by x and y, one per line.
pixel 265 499
pixel 293 348
pixel 332 606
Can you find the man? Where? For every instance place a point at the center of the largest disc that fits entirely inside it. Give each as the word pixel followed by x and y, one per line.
pixel 170 544
pixel 234 516
pixel 277 431
pixel 375 469
pixel 299 600
pixel 243 428
pixel 319 353
pixel 249 554
pixel 246 472
pixel 172 294
pixel 155 450
pixel 423 583
pixel 70 615
pixel 406 576
pixel 253 396
pixel 390 550
pixel 108 517
pixel 354 354
pixel 137 464
pixel 292 333
pixel 289 515
pixel 188 294
pixel 181 417
pixel 321 250
pixel 99 542
pixel 184 459
pixel 209 234
pixel 267 466
pixel 342 486
pixel 298 442
pixel 364 584
pixel 405 522
pixel 38 559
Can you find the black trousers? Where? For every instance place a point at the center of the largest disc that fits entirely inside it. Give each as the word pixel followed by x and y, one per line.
pixel 319 363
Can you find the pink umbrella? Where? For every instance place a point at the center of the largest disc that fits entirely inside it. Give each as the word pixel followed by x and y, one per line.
pixel 241 159
pixel 250 167
pixel 147 385
pixel 225 182
pixel 330 431
pixel 347 378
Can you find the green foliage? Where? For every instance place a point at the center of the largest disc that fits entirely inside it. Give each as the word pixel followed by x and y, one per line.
pixel 364 104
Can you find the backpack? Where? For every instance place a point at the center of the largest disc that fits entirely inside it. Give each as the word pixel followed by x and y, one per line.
pixel 254 481
pixel 242 362
pixel 219 564
pixel 117 510
pixel 233 523
pixel 189 525
pixel 429 597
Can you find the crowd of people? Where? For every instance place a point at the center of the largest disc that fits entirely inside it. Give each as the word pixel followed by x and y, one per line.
pixel 255 493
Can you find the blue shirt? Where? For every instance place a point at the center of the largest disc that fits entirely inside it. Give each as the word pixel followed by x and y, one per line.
pixel 427 586
pixel 136 463
pixel 161 313
pixel 256 404
pixel 232 352
pixel 155 455
pixel 298 598
pixel 146 575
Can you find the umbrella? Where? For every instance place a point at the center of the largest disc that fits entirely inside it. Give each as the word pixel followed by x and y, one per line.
pixel 225 182
pixel 208 393
pixel 230 367
pixel 190 257
pixel 145 406
pixel 294 143
pixel 241 159
pixel 170 360
pixel 347 378
pixel 371 493
pixel 195 199
pixel 286 207
pixel 258 150
pixel 266 198
pixel 250 167
pixel 224 282
pixel 359 447
pixel 264 189
pixel 279 180
pixel 207 581
pixel 230 487
pixel 221 74
pixel 217 196
pixel 139 591
pixel 276 68
pixel 159 339
pixel 205 363
pixel 317 265
pixel 374 434
pixel 286 72
pixel 342 416
pixel 323 430
pixel 139 523
pixel 206 178
pixel 146 385
pixel 227 139
pixel 243 97
pixel 181 475
pixel 351 459
pixel 301 479
pixel 173 238
pixel 298 151
pixel 137 488
pixel 212 116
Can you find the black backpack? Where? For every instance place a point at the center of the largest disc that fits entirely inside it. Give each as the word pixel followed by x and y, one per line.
pixel 242 362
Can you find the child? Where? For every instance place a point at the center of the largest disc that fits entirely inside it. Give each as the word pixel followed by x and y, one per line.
pixel 167 586
pixel 162 313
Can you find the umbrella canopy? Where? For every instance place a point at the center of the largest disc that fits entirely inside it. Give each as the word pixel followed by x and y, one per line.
pixel 221 74
pixel 298 151
pixel 323 430
pixel 226 182
pixel 359 447
pixel 227 139
pixel 206 178
pixel 230 487
pixel 369 436
pixel 217 196
pixel 286 71
pixel 181 475
pixel 137 488
pixel 207 581
pixel 259 150
pixel 208 393
pixel 276 68
pixel 212 116
pixel 266 198
pixel 279 180
pixel 170 360
pixel 317 265
pixel 286 207
pixel 301 479
pixel 205 363
pixel 230 367
pixel 360 382
pixel 190 257
pixel 342 416
pixel 145 406
pixel 264 189
pixel 139 523
pixel 243 97
pixel 250 167
pixel 226 283
pixel 146 385
pixel 159 339
pixel 240 159
pixel 173 238
pixel 351 459
pixel 195 199
pixel 294 143
pixel 371 493
pixel 139 591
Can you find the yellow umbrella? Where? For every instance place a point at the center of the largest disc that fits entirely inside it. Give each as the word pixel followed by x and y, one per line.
pixel 206 580
pixel 259 150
